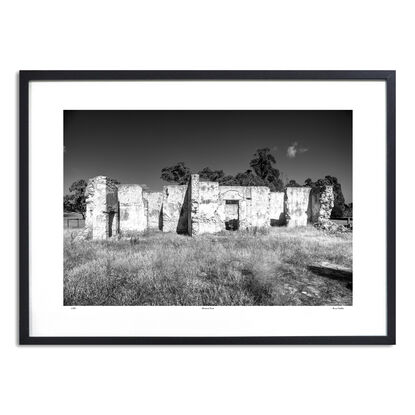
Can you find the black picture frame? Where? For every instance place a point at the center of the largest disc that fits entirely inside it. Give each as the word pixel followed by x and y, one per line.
pixel 28 76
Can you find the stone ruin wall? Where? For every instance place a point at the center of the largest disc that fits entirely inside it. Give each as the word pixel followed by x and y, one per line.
pixel 193 218
pixel 326 203
pixel 200 207
pixel 321 204
pixel 258 207
pixel 296 206
pixel 174 207
pixel 153 202
pixel 131 202
pixel 101 220
pixel 206 208
pixel 314 205
pixel 239 194
pixel 209 208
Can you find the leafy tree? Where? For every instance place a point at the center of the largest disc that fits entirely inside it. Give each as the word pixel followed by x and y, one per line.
pixel 178 173
pixel 248 178
pixel 308 182
pixel 348 210
pixel 263 165
pixel 339 206
pixel 75 200
pixel 211 175
pixel 228 180
pixel 67 203
pixel 293 183
pixel 78 187
pixel 263 173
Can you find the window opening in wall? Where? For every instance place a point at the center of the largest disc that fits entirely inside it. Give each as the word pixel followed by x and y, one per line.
pixel 232 215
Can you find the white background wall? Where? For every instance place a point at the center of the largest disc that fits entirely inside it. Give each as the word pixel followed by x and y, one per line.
pixel 206 35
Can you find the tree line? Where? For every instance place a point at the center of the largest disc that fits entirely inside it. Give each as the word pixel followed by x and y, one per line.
pixel 262 172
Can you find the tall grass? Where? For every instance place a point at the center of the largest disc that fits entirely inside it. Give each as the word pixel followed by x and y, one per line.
pixel 231 268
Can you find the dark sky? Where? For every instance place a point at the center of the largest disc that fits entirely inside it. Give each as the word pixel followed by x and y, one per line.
pixel 133 146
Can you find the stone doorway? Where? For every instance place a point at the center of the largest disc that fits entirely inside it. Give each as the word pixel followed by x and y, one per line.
pixel 232 215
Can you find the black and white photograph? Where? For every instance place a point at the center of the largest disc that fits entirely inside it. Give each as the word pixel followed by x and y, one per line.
pixel 208 208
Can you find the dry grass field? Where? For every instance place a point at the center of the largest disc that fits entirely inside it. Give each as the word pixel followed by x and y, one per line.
pixel 260 267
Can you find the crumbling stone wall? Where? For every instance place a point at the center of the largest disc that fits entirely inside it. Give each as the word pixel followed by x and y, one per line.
pixel 193 208
pixel 101 208
pixel 153 202
pixel 132 216
pixel 211 204
pixel 205 207
pixel 296 206
pixel 321 203
pixel 314 205
pixel 326 203
pixel 276 208
pixel 200 207
pixel 175 209
pixel 258 207
pixel 237 194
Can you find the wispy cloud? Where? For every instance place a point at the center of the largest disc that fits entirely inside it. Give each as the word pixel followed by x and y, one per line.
pixel 293 149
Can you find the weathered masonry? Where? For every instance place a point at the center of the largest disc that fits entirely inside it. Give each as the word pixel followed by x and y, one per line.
pixel 199 207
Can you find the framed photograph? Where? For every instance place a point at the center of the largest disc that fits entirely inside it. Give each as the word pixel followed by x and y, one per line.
pixel 207 207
